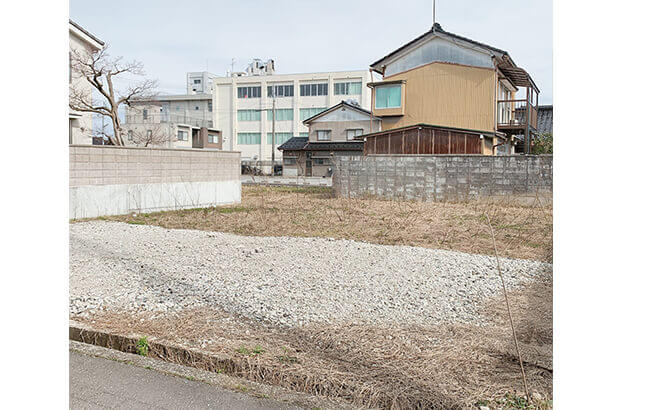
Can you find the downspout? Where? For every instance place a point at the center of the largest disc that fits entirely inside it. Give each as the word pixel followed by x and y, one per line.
pixel 371 116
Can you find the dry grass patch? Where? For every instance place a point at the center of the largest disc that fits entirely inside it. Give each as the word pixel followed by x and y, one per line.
pixel 521 231
pixel 399 367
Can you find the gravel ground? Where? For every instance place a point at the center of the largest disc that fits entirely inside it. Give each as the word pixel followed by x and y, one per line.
pixel 285 281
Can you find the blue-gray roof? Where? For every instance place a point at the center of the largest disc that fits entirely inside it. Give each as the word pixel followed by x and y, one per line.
pixel 294 144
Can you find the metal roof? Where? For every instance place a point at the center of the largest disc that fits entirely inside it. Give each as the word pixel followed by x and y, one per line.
pixel 294 144
pixel 92 36
pixel 519 77
pixel 334 146
pixel 334 107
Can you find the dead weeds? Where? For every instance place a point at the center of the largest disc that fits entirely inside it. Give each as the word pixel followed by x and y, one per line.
pixel 521 231
pixel 443 366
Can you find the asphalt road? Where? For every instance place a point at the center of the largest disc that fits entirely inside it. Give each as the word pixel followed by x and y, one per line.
pixel 101 383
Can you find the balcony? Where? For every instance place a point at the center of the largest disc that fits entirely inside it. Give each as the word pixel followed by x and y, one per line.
pixel 193 120
pixel 513 116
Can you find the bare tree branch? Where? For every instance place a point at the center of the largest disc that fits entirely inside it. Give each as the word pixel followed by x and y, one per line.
pixel 100 70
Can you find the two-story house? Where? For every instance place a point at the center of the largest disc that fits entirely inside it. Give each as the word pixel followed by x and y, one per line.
pixel 443 93
pixel 332 132
pixel 84 43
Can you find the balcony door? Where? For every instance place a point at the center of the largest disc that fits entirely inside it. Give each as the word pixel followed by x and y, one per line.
pixel 504 108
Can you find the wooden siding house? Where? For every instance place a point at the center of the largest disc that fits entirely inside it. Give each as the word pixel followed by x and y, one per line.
pixel 449 86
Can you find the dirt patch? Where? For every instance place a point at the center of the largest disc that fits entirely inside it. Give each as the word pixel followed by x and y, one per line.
pixel 521 231
pixel 444 366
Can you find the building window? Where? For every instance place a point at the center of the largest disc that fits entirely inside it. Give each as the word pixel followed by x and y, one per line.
pixel 248 115
pixel 321 161
pixel 388 96
pixel 303 134
pixel 323 135
pixel 249 92
pixel 281 114
pixel 197 81
pixel 144 114
pixel 289 161
pixel 351 134
pixel 182 135
pixel 280 90
pixel 129 135
pixel 280 137
pixel 310 112
pixel 350 88
pixel 210 106
pixel 313 89
pixel 249 138
pixel 197 107
pixel 213 139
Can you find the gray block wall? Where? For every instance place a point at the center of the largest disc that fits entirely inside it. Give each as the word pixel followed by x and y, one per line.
pixel 443 177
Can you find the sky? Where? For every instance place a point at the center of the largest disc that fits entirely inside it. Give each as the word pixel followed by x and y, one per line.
pixel 175 37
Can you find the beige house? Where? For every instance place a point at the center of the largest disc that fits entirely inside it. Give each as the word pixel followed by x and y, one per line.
pixel 441 79
pixel 80 124
pixel 334 132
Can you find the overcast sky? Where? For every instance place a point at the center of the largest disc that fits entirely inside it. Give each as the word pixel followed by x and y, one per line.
pixel 174 37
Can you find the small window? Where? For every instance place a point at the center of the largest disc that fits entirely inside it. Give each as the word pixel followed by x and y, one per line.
pixel 289 161
pixel 215 139
pixel 145 113
pixel 197 107
pixel 211 138
pixel 388 96
pixel 182 135
pixel 129 135
pixel 197 81
pixel 351 134
pixel 210 106
pixel 320 161
pixel 323 135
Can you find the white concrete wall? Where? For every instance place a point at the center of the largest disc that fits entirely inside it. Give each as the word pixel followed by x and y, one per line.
pixel 107 180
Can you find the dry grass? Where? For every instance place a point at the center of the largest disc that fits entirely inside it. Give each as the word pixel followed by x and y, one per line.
pixel 521 231
pixel 444 366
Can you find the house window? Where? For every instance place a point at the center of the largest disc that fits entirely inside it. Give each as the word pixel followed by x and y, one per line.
pixel 388 96
pixel 350 88
pixel 129 135
pixel 182 135
pixel 280 137
pixel 323 135
pixel 289 161
pixel 248 115
pixel 280 90
pixel 144 114
pixel 313 89
pixel 351 134
pixel 210 106
pixel 282 114
pixel 249 92
pixel 310 112
pixel 320 161
pixel 249 138
pixel 197 81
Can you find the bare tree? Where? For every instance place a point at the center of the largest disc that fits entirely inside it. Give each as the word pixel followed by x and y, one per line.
pixel 155 134
pixel 100 70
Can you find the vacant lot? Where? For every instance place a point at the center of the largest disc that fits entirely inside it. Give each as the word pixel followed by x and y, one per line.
pixel 521 231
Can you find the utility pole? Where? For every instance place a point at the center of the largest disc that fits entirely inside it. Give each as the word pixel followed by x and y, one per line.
pixel 433 13
pixel 272 145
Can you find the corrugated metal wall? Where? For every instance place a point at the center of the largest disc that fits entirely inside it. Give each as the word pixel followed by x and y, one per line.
pixel 423 141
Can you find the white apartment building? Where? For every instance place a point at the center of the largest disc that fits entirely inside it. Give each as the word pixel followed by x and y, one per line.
pixel 200 82
pixel 80 123
pixel 172 119
pixel 242 106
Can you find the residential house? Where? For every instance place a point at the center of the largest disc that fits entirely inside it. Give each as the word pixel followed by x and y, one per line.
pixel 174 121
pixel 332 132
pixel 243 105
pixel 469 90
pixel 81 41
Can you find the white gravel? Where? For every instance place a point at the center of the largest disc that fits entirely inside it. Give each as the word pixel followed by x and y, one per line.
pixel 285 281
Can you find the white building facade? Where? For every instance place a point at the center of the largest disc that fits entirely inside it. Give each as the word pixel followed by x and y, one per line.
pixel 81 42
pixel 200 82
pixel 242 106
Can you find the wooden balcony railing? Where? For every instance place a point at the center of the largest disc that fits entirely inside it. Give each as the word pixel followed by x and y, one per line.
pixel 514 114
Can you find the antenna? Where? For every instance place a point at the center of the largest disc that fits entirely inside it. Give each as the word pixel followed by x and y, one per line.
pixel 433 13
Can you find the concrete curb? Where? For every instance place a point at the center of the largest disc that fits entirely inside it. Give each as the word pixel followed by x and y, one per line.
pixel 188 363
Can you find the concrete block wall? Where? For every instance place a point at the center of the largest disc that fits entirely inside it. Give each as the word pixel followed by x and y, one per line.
pixel 107 180
pixel 444 177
